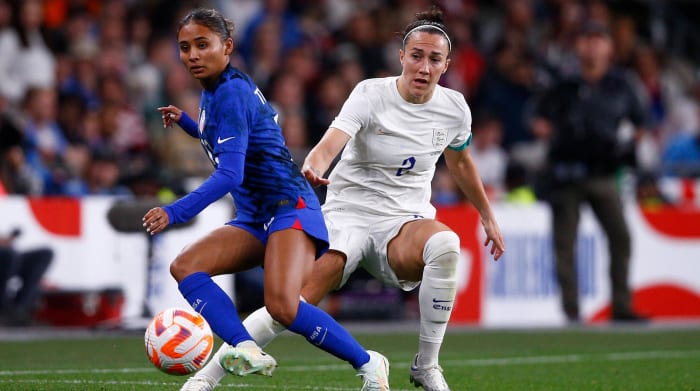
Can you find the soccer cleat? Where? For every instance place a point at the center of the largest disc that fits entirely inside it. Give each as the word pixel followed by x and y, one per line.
pixel 199 383
pixel 243 361
pixel 430 379
pixel 375 373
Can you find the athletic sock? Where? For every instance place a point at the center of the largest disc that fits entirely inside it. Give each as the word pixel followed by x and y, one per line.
pixel 428 353
pixel 262 327
pixel 323 331
pixel 213 303
pixel 437 293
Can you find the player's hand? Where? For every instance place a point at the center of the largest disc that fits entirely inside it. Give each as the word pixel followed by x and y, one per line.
pixel 155 220
pixel 493 236
pixel 314 176
pixel 170 114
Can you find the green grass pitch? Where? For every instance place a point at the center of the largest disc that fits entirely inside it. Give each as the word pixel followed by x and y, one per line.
pixel 587 358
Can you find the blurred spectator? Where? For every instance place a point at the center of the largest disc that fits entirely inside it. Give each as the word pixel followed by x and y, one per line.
pixel 581 117
pixel 79 77
pixel 71 110
pixel 361 31
pixel 178 153
pixel 303 63
pixel 101 177
pixel 507 90
pixel 625 40
pixel 122 129
pixel 114 61
pixel 488 155
pixel 26 61
pixel 44 141
pixel 20 280
pixel 275 28
pixel 348 66
pixel 518 191
pixel 467 63
pixel 146 78
pixel 445 191
pixel 325 105
pixel 266 52
pixel 16 174
pixel 287 95
pixel 598 11
pixel 557 49
pixel 660 90
pixel 515 25
pixel 295 136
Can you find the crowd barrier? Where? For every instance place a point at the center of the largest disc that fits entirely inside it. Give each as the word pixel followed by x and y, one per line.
pixel 92 254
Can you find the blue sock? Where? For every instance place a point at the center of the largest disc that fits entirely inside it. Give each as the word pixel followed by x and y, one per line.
pixel 213 303
pixel 323 331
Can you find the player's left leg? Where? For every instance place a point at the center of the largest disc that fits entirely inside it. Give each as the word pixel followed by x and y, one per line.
pixel 326 276
pixel 428 247
pixel 289 253
pixel 295 240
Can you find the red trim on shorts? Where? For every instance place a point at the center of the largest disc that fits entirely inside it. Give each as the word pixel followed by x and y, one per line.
pixel 297 225
pixel 300 203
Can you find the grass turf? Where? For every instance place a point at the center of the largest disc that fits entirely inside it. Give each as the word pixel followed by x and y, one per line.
pixel 616 358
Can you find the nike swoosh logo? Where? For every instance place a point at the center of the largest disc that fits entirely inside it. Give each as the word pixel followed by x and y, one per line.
pixel 223 140
pixel 441 301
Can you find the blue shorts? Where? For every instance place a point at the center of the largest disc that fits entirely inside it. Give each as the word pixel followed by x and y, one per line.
pixel 302 218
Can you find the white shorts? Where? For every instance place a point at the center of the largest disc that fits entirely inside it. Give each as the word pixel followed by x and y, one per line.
pixel 364 240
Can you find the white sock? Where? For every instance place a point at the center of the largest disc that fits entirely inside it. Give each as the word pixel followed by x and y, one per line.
pixel 437 293
pixel 428 353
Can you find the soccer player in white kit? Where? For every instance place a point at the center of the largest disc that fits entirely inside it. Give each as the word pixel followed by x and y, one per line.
pixel 377 208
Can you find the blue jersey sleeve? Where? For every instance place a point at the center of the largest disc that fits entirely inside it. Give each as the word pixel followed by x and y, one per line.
pixel 228 175
pixel 188 125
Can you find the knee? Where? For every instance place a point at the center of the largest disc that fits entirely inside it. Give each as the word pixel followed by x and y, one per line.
pixel 182 266
pixel 283 311
pixel 442 250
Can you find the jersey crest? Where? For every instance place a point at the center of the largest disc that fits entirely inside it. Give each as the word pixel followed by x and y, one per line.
pixel 439 138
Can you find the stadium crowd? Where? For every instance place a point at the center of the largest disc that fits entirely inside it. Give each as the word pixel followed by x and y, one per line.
pixel 81 80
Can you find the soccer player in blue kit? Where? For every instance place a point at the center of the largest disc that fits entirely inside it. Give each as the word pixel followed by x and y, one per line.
pixel 278 216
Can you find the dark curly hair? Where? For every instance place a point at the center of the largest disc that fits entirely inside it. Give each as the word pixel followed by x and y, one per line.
pixel 429 21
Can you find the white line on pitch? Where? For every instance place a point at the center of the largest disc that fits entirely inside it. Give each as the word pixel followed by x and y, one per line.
pixel 166 384
pixel 502 361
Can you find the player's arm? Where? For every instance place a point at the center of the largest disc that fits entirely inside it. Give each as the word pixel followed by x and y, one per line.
pixel 227 176
pixel 321 156
pixel 172 114
pixel 464 171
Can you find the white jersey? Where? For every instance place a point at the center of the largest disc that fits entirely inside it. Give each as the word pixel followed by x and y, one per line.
pixel 388 164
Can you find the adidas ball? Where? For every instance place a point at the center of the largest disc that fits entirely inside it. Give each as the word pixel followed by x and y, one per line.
pixel 178 341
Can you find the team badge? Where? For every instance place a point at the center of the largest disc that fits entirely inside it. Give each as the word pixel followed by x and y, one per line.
pixel 439 138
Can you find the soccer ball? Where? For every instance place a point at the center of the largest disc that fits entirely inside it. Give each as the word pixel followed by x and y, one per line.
pixel 178 341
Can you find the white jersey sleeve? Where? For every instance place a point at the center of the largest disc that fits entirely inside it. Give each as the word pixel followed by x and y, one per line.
pixel 354 114
pixel 463 138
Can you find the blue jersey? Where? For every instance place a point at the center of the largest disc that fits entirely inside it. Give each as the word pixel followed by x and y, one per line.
pixel 236 120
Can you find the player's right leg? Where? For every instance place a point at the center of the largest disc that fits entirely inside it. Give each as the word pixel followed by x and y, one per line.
pixel 326 276
pixel 228 249
pixel 427 250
